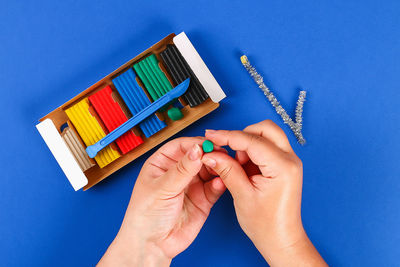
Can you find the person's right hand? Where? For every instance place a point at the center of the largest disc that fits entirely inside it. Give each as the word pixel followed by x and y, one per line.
pixel 265 181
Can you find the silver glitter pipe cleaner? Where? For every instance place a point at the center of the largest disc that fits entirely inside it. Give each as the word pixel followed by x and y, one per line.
pixel 294 126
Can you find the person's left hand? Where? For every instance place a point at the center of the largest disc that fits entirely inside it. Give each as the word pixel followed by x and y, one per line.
pixel 170 202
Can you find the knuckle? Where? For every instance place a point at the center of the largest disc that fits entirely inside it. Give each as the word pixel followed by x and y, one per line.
pixel 255 140
pixel 182 140
pixel 232 133
pixel 178 140
pixel 261 125
pixel 250 128
pixel 181 168
pixel 294 166
pixel 225 171
pixel 299 162
pixel 268 124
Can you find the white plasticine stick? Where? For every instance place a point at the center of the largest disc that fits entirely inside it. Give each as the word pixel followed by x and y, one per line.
pixel 198 67
pixel 62 154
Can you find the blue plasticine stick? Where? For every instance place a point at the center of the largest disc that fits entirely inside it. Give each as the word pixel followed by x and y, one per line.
pixel 139 117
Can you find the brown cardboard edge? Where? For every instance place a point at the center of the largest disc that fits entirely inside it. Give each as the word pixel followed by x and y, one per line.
pixel 96 174
pixel 107 80
pixel 190 115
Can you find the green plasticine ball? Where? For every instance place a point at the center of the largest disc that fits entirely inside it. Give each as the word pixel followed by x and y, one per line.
pixel 175 114
pixel 208 146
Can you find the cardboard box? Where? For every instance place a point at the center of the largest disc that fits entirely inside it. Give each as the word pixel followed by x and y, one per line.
pixel 51 125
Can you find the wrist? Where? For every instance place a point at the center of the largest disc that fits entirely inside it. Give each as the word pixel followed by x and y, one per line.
pixel 130 251
pixel 296 251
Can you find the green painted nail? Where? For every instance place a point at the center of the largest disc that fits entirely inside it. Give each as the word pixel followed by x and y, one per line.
pixel 208 146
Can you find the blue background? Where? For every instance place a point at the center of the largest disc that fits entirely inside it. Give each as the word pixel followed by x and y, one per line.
pixel 344 53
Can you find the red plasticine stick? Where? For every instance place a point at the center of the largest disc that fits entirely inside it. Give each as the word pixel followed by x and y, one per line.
pixel 112 116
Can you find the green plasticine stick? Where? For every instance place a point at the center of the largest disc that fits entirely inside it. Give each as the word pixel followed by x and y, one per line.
pixel 161 74
pixel 152 86
pixel 157 74
pixel 157 80
pixel 151 77
pixel 154 79
pixel 145 81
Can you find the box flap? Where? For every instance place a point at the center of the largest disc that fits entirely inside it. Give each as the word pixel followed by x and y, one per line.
pixel 199 68
pixel 63 155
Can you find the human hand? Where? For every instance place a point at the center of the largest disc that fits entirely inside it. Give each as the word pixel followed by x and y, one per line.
pixel 170 202
pixel 265 181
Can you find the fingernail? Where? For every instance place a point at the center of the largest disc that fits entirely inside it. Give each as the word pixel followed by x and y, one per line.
pixel 210 162
pixel 194 154
pixel 209 131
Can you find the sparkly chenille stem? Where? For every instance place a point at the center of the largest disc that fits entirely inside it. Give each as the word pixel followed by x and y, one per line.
pixel 294 126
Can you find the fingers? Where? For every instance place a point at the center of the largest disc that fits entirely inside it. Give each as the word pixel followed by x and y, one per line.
pixel 206 173
pixel 268 129
pixel 242 157
pixel 213 189
pixel 171 152
pixel 261 151
pixel 230 171
pixel 179 175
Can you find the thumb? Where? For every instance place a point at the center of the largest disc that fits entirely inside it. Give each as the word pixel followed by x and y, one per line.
pixel 181 174
pixel 230 171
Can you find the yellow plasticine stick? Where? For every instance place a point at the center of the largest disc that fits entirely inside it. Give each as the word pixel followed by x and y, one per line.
pixel 90 131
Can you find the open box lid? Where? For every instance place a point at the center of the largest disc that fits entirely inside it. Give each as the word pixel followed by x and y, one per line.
pixel 63 155
pixel 198 67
